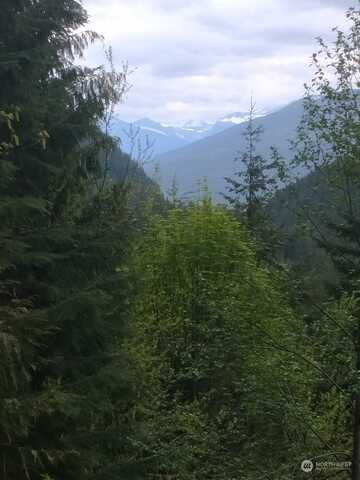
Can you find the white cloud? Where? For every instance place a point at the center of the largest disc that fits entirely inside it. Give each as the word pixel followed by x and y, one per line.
pixel 203 58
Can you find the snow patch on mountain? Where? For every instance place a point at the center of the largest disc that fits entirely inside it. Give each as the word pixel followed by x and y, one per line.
pixel 241 117
pixel 197 126
pixel 236 120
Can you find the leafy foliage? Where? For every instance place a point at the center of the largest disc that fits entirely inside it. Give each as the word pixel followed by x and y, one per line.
pixel 328 142
pixel 212 344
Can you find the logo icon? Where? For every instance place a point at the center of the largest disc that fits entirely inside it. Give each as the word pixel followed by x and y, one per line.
pixel 307 466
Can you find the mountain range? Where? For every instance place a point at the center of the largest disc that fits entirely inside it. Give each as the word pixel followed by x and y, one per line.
pixel 164 138
pixel 212 157
pixel 205 150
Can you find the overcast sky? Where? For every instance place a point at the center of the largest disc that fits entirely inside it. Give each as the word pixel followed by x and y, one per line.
pixel 201 59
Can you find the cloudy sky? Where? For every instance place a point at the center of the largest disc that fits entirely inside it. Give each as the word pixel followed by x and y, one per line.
pixel 201 59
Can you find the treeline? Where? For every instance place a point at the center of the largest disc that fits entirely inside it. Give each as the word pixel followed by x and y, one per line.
pixel 147 338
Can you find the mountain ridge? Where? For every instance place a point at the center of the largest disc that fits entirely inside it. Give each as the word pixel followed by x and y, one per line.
pixel 164 138
pixel 213 157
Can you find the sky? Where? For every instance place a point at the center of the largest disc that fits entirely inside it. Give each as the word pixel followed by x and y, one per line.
pixel 202 59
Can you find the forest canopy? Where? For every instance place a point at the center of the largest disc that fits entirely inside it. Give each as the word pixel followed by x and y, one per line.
pixel 146 336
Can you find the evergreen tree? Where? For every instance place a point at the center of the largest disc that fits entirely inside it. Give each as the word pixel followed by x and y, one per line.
pixel 64 234
pixel 329 143
pixel 252 186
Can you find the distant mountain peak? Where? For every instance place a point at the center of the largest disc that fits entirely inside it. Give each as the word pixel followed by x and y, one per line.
pixel 240 117
pixel 166 137
pixel 197 125
pixel 212 157
pixel 236 118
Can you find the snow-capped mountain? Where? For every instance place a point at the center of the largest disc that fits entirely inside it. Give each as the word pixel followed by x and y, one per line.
pixel 235 118
pixel 197 126
pixel 241 117
pixel 164 138
pixel 148 134
pixel 213 157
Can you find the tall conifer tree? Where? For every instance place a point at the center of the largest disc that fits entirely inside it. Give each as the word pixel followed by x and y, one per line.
pixel 63 234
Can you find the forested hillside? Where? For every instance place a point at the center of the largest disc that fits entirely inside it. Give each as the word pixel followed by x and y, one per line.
pixel 163 339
